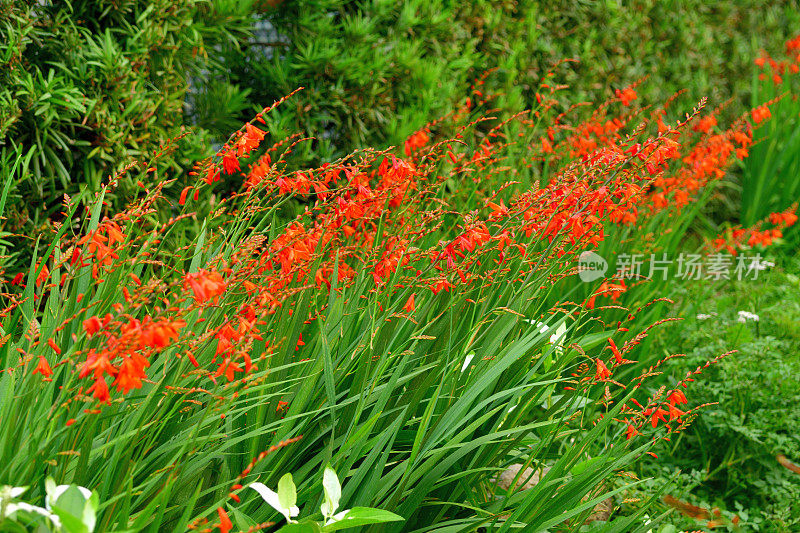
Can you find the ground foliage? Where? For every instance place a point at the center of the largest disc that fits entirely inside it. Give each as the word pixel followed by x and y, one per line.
pixel 731 456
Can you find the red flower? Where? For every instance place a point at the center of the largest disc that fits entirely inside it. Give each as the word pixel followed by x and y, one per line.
pixel 131 372
pixel 615 351
pixel 92 325
pixel 225 524
pixel 416 141
pixel 677 397
pixel 228 368
pixel 184 192
pixel 675 413
pixel 43 275
pixel 43 368
pixel 603 373
pixel 97 364
pixel 656 415
pixel 249 141
pixel 787 218
pixel 205 284
pixel 100 390
pixel 229 162
pixel 705 124
pixel 54 346
pixel 441 285
pixel 409 307
pixel 761 113
pixel 159 334
pixel 626 95
pixel 212 175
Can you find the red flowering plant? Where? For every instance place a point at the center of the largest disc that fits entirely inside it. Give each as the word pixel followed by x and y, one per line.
pixel 769 181
pixel 761 235
pixel 399 328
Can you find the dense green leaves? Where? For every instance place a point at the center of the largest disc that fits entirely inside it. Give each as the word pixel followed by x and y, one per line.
pixel 417 412
pixel 728 457
pixel 376 71
pixel 91 87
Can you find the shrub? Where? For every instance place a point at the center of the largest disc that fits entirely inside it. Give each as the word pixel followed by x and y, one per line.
pixel 92 86
pixel 375 71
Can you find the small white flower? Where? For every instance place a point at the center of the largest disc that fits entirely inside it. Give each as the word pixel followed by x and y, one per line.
pixel 744 316
pixel 703 316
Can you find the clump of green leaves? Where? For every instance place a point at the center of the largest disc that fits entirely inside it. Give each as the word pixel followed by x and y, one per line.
pixel 284 501
pixel 67 509
pixel 91 86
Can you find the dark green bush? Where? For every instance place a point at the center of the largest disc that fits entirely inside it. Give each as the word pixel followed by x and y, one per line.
pixel 92 85
pixel 375 71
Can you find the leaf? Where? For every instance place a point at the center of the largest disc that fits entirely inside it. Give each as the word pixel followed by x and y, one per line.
pixel 90 511
pixel 71 501
pixel 69 522
pixel 363 516
pixel 287 492
pixel 242 520
pixel 304 527
pixel 579 468
pixel 273 499
pixel 333 492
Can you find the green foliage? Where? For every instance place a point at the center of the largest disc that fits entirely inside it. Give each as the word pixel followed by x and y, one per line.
pixel 285 499
pixel 92 85
pixel 704 48
pixel 376 71
pixel 728 455
pixel 418 410
pixel 372 71
pixel 67 509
